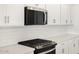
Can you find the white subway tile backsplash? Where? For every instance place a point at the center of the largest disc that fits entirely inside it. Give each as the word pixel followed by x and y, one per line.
pixel 16 34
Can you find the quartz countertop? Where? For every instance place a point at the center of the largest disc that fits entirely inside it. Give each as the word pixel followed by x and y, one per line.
pixel 19 49
pixel 16 49
pixel 64 37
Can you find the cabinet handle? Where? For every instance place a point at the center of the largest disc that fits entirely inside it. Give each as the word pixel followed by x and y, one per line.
pixel 62 50
pixel 66 21
pixel 78 43
pixel 8 18
pixel 5 19
pixel 71 21
pixel 36 4
pixel 6 51
pixel 74 45
pixel 54 20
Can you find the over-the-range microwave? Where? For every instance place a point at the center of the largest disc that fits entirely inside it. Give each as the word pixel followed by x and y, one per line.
pixel 34 17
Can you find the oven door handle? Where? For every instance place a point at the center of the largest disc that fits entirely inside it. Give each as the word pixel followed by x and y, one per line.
pixel 47 51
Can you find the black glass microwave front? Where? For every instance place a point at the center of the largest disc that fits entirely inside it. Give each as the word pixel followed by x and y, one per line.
pixel 33 17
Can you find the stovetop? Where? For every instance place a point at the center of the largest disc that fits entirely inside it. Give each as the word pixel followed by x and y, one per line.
pixel 37 43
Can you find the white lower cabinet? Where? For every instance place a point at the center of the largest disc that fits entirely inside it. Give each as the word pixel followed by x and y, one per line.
pixel 70 46
pixel 73 46
pixel 62 48
pixel 77 45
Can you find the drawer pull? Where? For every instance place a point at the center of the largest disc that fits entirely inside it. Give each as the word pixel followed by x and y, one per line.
pixel 62 50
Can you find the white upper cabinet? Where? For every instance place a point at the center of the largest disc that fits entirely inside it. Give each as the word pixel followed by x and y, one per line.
pixel 2 14
pixel 69 14
pixel 11 15
pixel 65 14
pixel 53 14
pixel 15 15
pixel 59 14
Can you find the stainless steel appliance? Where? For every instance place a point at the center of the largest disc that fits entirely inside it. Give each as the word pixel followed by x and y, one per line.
pixel 34 17
pixel 41 46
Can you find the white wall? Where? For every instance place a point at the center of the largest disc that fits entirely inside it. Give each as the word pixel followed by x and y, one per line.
pixel 11 35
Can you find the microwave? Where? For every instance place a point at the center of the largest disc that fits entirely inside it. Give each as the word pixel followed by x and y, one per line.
pixel 34 17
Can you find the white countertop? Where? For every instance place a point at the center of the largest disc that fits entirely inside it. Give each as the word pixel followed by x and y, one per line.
pixel 16 49
pixel 64 37
pixel 21 49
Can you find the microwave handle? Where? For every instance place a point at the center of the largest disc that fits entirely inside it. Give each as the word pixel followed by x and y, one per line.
pixel 45 18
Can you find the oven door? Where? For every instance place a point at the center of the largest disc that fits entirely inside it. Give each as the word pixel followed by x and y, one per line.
pixel 52 51
pixel 47 50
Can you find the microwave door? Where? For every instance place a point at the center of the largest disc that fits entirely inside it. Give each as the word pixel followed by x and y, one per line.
pixel 31 17
pixel 35 17
pixel 40 18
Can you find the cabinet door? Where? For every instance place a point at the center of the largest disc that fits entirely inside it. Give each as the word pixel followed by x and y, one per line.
pixel 59 49
pixel 62 48
pixel 53 14
pixel 72 46
pixel 15 14
pixel 65 14
pixel 2 14
pixel 69 14
pixel 77 45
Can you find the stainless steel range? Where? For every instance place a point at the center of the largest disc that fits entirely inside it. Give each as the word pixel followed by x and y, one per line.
pixel 41 46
